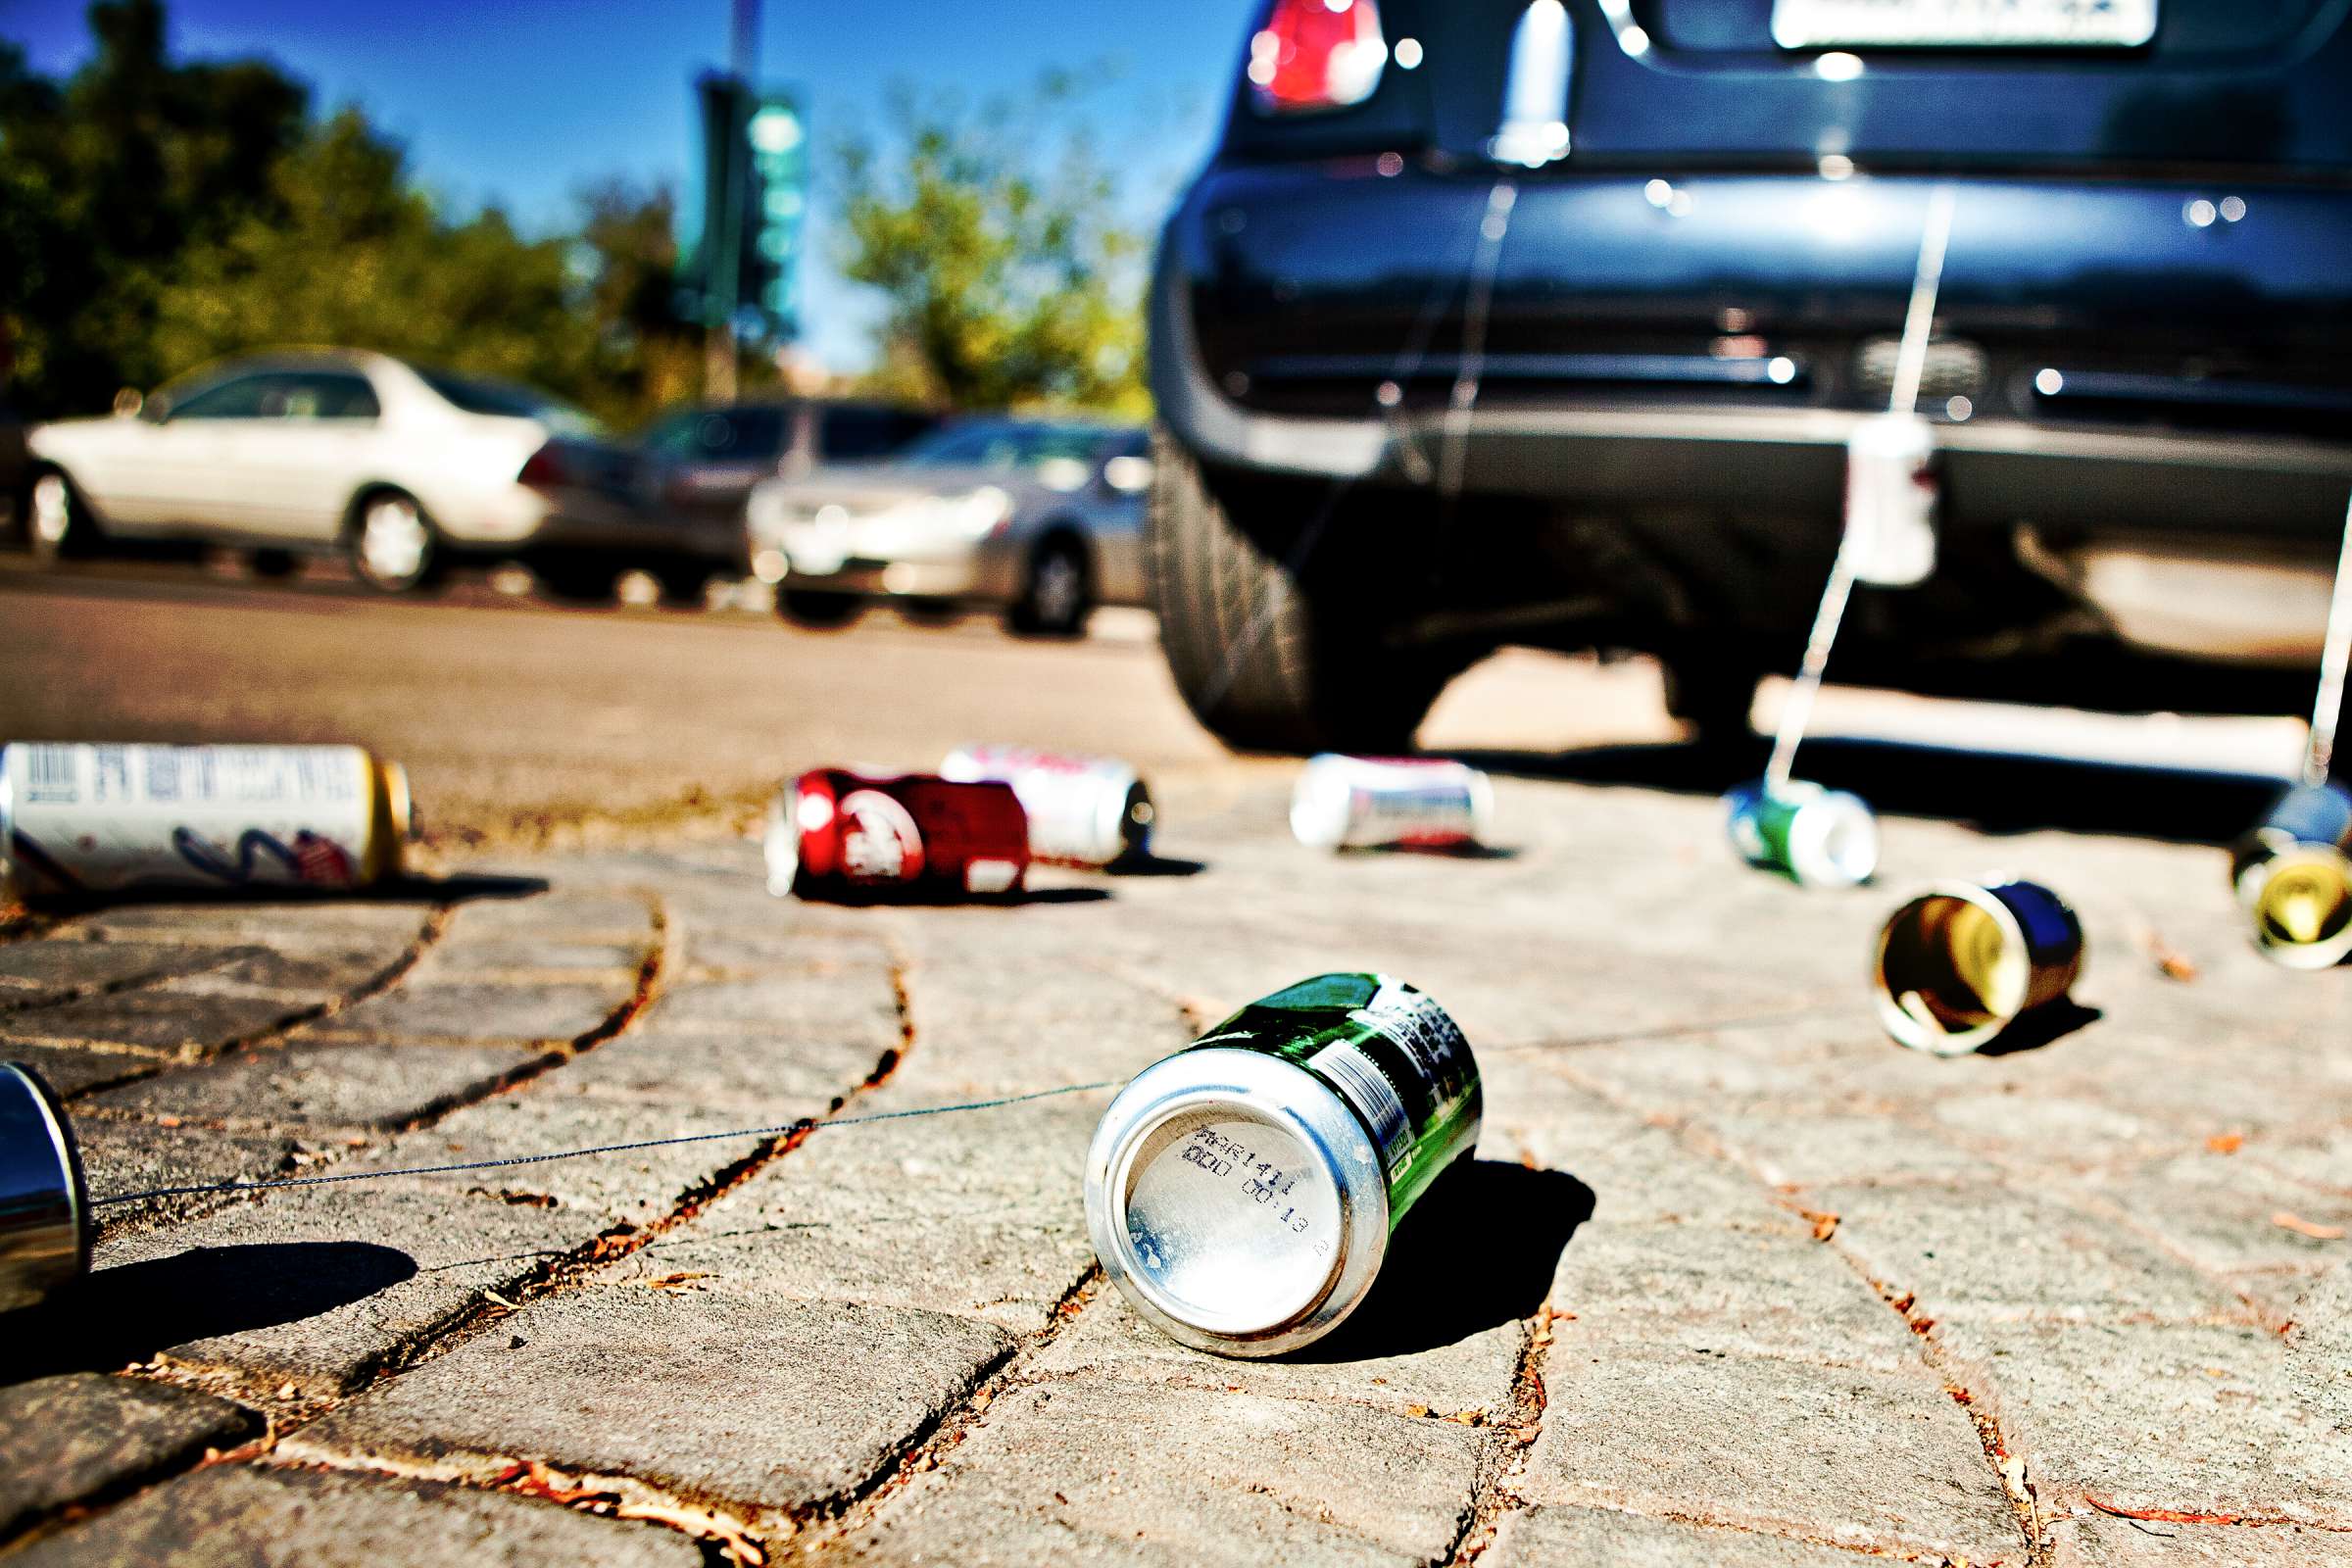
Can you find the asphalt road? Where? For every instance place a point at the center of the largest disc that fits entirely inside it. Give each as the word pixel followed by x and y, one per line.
pixel 531 723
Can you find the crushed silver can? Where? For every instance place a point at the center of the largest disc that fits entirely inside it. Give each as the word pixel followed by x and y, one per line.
pixel 1822 838
pixel 1241 1193
pixel 79 819
pixel 1960 965
pixel 1083 811
pixel 2294 875
pixel 44 1206
pixel 1364 803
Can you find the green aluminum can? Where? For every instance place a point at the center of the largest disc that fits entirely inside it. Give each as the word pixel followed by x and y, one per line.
pixel 1242 1192
pixel 1820 838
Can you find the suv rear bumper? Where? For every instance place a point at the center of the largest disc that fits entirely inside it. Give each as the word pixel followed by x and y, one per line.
pixel 1997 474
pixel 1654 450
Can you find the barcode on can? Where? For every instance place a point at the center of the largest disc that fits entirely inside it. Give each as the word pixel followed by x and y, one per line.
pixel 51 777
pixel 1424 1029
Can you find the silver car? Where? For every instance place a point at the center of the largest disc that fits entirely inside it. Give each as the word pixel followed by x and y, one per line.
pixel 402 467
pixel 1042 519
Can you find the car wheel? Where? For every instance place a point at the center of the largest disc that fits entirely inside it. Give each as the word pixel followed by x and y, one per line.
pixel 817 607
pixel 57 522
pixel 1269 656
pixel 1057 596
pixel 685 587
pixel 1713 698
pixel 393 546
pixel 924 611
pixel 577 579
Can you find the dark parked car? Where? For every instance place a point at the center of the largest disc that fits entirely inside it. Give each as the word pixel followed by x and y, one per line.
pixel 1526 323
pixel 701 464
pixel 14 474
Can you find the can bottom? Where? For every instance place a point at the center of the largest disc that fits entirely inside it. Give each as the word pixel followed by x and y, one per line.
pixel 2301 901
pixel 1236 1202
pixel 1228 1219
pixel 1953 971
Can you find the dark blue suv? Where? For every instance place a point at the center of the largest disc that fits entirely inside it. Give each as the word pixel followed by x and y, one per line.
pixel 1496 322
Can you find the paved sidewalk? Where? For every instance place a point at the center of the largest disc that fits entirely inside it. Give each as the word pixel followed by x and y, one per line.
pixel 1733 1281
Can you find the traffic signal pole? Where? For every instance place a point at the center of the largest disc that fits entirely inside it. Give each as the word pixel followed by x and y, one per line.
pixel 718 343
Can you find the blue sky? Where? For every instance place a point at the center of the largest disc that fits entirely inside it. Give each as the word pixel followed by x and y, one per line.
pixel 523 101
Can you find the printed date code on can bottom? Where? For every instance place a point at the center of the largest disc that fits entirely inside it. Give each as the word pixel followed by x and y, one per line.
pixel 1232 1215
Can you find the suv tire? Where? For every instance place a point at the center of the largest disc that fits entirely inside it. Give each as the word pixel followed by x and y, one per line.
pixel 1270 655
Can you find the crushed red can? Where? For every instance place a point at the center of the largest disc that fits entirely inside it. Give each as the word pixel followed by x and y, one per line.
pixel 834 833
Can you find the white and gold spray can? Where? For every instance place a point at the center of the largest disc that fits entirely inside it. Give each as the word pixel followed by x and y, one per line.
pixel 83 820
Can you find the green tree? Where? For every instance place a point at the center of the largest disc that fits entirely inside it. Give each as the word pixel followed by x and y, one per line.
pixel 155 215
pixel 350 253
pixel 104 181
pixel 628 255
pixel 1008 278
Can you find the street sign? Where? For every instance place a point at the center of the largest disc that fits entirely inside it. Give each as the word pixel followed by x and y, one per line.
pixel 754 205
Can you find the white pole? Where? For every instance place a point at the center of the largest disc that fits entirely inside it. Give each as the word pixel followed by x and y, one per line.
pixel 2336 662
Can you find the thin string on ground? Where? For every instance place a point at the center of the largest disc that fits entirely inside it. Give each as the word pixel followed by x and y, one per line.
pixel 806 1125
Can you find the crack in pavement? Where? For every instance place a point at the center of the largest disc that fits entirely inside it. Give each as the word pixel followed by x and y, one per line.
pixel 583 1265
pixel 2008 1470
pixel 1494 1495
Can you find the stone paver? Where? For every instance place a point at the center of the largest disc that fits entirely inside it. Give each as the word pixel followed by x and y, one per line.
pixel 318 1287
pixel 2108 1543
pixel 1426 1375
pixel 1073 1470
pixel 2318 1346
pixel 980 1214
pixel 740 1397
pixel 466 1010
pixel 1584 1538
pixel 64 1439
pixel 135 1156
pixel 311 1087
pixel 45 971
pixel 1765 1287
pixel 283 1518
pixel 76 1069
pixel 2184 1418
pixel 164 1022
pixel 1865 1459
pixel 2025 1255
pixel 1790 1268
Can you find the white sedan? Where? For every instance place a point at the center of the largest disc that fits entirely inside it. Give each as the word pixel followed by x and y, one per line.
pixel 401 468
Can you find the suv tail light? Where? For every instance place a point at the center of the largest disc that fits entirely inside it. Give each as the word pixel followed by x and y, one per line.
pixel 1316 54
pixel 545 470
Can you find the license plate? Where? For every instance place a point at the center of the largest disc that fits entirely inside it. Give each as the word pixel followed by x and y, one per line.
pixel 1963 23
